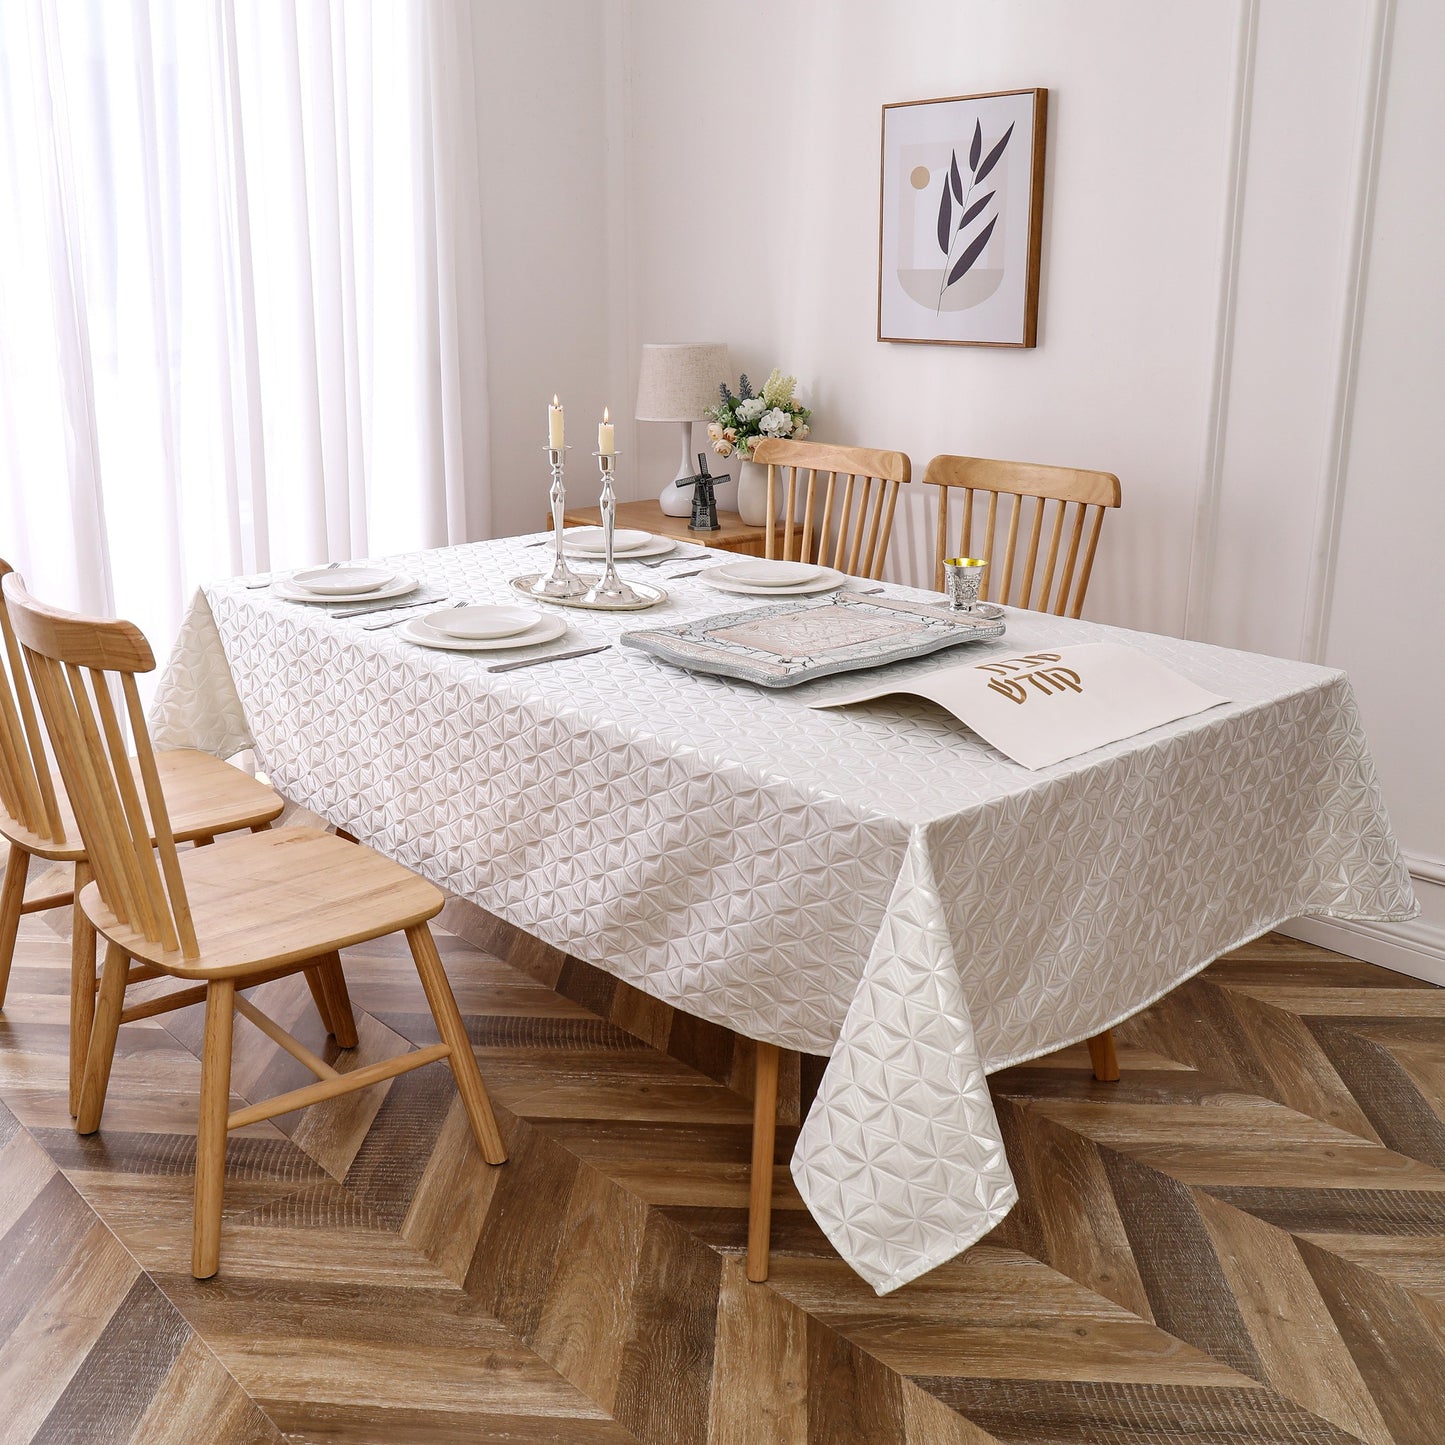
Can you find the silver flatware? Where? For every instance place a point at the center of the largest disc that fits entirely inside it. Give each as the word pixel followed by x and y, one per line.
pixel 676 576
pixel 551 657
pixel 396 607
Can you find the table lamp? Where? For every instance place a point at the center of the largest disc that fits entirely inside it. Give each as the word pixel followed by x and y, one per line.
pixel 678 383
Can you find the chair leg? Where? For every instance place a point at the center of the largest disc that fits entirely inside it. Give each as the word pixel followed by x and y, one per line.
pixel 100 1051
pixel 1104 1057
pixel 454 1034
pixel 211 1128
pixel 760 1188
pixel 12 899
pixel 317 986
pixel 338 998
pixel 82 985
pixel 333 1000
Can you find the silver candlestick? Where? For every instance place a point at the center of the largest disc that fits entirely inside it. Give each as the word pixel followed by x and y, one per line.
pixel 610 588
pixel 562 581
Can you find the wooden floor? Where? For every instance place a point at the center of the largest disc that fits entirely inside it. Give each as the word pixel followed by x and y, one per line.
pixel 1244 1240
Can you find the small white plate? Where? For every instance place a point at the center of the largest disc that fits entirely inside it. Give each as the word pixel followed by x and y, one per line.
pixel 657 547
pixel 590 539
pixel 829 581
pixel 481 623
pixel 547 629
pixel 760 572
pixel 284 587
pixel 332 581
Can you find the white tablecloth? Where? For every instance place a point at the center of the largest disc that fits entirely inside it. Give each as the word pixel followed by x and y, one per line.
pixel 876 884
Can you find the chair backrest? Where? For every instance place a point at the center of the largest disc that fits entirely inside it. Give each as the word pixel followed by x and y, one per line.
pixel 72 661
pixel 27 790
pixel 1052 490
pixel 849 525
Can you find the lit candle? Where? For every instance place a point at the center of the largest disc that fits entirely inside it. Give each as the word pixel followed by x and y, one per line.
pixel 554 424
pixel 605 443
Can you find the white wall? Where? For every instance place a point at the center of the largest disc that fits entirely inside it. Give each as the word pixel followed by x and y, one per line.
pixel 1241 313
pixel 549 74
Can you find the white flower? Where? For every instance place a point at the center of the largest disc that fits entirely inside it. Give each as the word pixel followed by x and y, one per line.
pixel 722 448
pixel 751 409
pixel 715 431
pixel 776 423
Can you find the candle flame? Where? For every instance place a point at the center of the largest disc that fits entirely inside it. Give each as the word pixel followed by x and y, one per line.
pixel 555 402
pixel 604 414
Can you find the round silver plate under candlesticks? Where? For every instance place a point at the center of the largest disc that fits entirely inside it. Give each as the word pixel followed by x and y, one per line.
pixel 641 596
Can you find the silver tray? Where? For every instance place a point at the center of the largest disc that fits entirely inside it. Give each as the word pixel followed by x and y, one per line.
pixel 650 593
pixel 793 642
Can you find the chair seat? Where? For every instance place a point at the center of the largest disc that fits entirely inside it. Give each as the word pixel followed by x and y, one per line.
pixel 204 796
pixel 263 899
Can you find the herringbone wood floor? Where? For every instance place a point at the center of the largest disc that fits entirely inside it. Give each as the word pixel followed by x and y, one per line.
pixel 1244 1240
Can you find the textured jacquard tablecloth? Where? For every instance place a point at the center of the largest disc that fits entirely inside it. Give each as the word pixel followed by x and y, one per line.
pixel 875 883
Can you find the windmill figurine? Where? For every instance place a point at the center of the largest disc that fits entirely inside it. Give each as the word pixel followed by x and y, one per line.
pixel 704 499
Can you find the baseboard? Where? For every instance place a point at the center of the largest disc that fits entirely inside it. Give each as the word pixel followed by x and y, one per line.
pixel 1416 948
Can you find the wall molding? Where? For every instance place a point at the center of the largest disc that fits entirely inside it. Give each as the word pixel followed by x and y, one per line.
pixel 1416 949
pixel 1324 550
pixel 1203 542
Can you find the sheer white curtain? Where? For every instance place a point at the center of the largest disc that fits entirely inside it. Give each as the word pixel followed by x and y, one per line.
pixel 240 291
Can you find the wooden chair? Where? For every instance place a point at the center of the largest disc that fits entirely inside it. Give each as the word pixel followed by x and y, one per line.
pixel 1052 490
pixel 228 916
pixel 860 484
pixel 204 797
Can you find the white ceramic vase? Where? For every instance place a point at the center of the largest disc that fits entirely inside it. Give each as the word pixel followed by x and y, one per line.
pixel 753 493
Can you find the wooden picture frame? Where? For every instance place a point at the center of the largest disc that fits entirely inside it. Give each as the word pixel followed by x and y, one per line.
pixel 960 219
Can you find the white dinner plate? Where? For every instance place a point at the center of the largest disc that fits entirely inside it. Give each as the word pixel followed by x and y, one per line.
pixel 761 572
pixel 829 581
pixel 399 587
pixel 590 539
pixel 482 623
pixel 336 581
pixel 548 627
pixel 656 547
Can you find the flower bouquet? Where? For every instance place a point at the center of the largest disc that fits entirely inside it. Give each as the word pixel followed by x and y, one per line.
pixel 739 422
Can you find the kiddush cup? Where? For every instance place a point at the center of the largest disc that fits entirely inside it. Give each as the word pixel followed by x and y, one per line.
pixel 961 579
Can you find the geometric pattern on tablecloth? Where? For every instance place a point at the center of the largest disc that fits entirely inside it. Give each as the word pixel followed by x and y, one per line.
pixel 775 869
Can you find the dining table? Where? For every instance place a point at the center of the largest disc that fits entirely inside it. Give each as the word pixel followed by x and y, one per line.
pixel 874 883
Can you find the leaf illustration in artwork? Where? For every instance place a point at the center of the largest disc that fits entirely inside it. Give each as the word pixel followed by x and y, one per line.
pixel 955 180
pixel 991 160
pixel 975 148
pixel 972 253
pixel 945 219
pixel 975 208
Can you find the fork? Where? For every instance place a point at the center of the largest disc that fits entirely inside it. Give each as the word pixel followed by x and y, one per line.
pixel 392 621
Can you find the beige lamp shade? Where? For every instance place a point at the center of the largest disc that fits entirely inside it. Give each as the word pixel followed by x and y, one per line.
pixel 679 382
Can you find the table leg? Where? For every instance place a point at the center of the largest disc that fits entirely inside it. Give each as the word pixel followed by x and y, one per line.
pixel 1104 1057
pixel 760 1190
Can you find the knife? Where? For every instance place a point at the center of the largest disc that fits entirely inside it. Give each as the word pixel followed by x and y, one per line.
pixel 395 607
pixel 551 657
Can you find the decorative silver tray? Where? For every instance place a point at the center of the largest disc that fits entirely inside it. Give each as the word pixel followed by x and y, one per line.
pixel 649 592
pixel 793 642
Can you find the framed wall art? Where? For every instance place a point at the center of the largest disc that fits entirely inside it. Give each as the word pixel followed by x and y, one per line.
pixel 961 219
